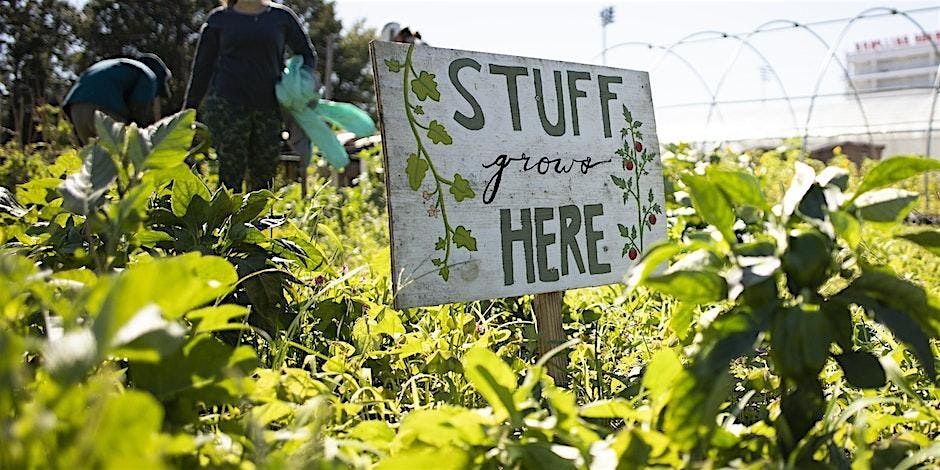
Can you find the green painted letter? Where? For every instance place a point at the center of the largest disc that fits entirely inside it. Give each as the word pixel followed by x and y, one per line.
pixel 591 211
pixel 569 222
pixel 524 235
pixel 603 83
pixel 542 242
pixel 511 73
pixel 558 128
pixel 574 93
pixel 475 122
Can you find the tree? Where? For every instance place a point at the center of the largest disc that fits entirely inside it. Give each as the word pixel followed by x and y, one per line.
pixel 351 64
pixel 37 40
pixel 168 29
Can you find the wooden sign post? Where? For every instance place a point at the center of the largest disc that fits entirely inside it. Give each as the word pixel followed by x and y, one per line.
pixel 509 176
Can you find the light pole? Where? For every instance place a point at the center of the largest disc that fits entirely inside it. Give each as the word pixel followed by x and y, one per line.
pixel 607 17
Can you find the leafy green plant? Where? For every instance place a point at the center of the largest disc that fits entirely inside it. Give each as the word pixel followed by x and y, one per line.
pixel 788 282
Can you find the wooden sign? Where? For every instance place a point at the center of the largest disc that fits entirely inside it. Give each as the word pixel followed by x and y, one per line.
pixel 509 175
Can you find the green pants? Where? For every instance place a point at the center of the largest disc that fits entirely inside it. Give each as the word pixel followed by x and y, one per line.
pixel 247 142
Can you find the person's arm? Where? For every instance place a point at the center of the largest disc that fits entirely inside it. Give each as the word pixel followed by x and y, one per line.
pixel 299 42
pixel 157 114
pixel 207 52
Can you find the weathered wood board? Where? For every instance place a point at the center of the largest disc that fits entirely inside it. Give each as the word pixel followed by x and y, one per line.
pixel 510 175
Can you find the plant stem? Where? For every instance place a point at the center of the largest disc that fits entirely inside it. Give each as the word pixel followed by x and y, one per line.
pixel 422 152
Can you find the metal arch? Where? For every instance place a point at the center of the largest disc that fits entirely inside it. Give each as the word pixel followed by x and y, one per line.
pixel 933 104
pixel 671 52
pixel 832 53
pixel 681 41
pixel 741 43
pixel 933 109
pixel 714 95
pixel 812 32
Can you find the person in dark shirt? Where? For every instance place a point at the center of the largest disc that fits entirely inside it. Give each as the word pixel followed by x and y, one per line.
pixel 127 90
pixel 239 60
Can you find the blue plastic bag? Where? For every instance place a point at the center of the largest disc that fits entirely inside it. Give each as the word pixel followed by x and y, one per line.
pixel 297 93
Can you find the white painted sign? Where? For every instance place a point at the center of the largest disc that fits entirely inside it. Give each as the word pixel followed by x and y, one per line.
pixel 509 175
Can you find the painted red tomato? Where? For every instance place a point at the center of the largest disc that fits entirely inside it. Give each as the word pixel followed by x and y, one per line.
pixel 628 165
pixel 633 253
pixel 638 146
pixel 652 219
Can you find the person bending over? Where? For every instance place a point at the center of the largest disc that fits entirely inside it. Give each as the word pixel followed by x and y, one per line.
pixel 127 90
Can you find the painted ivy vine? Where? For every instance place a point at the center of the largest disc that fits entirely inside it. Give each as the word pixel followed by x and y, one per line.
pixel 635 160
pixel 422 85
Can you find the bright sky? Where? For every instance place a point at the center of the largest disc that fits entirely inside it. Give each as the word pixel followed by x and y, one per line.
pixel 571 31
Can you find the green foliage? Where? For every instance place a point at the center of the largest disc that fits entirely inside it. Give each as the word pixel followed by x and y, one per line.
pixel 178 325
pixel 814 251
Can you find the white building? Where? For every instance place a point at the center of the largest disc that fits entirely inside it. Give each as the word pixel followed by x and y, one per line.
pixel 901 62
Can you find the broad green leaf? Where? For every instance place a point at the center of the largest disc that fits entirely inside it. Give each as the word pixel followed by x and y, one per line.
pixel 169 140
pixel 927 239
pixel 463 238
pixel 137 145
pixel 835 176
pixel 416 169
pixel 906 330
pixel 38 190
pixel 253 204
pixel 847 227
pixel 711 204
pixel 218 318
pixel 691 286
pixel 693 404
pixel 69 358
pixel 443 427
pixel 680 323
pixel 424 86
pixel 204 370
pixel 741 188
pixel 803 179
pixel 885 286
pixel 84 191
pixel 840 318
pixel 147 336
pixel 111 134
pixel 127 431
pixel 186 186
pixel 885 205
pixel 609 409
pixel 656 258
pixel 176 285
pixel 461 188
pixel 800 409
pixel 445 458
pixel 377 434
pixel 438 134
pixel 661 374
pixel 893 170
pixel 862 369
pixel 131 210
pixel 493 380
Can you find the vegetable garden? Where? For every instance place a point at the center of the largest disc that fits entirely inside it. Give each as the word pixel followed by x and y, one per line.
pixel 149 320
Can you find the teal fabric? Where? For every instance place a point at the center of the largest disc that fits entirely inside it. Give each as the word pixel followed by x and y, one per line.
pixel 297 93
pixel 114 83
